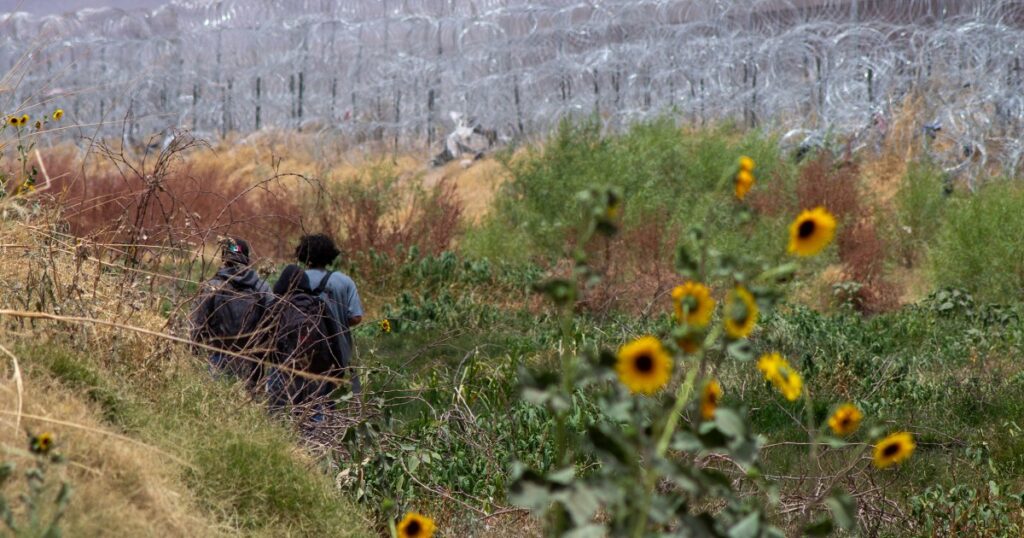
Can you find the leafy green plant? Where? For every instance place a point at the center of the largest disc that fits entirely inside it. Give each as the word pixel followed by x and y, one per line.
pixel 648 481
pixel 921 203
pixel 665 173
pixel 969 510
pixel 979 247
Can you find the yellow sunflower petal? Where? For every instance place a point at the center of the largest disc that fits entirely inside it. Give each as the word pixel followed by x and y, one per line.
pixel 746 163
pixel 894 449
pixel 415 525
pixel 740 313
pixel 693 304
pixel 811 232
pixel 709 398
pixel 744 181
pixel 643 365
pixel 779 373
pixel 845 420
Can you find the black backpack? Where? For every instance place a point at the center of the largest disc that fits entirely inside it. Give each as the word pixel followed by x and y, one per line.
pixel 306 335
pixel 233 312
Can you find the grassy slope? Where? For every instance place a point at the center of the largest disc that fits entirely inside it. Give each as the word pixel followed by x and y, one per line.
pixel 952 377
pixel 155 446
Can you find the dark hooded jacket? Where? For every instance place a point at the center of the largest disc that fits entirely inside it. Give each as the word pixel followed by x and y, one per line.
pixel 237 285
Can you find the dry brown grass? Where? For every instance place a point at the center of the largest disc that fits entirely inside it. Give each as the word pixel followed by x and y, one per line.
pixel 269 188
pixel 119 488
pixel 882 174
pixel 475 186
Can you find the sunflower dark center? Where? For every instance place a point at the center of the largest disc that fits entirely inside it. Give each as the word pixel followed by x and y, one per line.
pixel 806 229
pixel 845 421
pixel 739 312
pixel 891 450
pixel 644 363
pixel 690 303
pixel 413 528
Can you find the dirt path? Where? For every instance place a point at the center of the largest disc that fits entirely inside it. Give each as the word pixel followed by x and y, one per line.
pixel 476 185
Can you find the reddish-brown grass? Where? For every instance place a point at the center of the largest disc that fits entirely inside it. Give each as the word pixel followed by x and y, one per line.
pixel 189 206
pixel 636 267
pixel 836 186
pixel 191 201
pixel 386 218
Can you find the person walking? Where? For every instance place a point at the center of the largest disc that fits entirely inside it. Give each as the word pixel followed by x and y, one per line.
pixel 228 312
pixel 306 348
pixel 316 252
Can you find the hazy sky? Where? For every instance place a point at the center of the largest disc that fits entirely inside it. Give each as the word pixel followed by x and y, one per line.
pixel 45 7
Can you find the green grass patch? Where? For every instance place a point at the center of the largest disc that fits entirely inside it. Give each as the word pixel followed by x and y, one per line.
pixel 244 468
pixel 980 247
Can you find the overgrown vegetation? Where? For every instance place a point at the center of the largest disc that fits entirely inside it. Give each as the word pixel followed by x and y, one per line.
pixel 442 421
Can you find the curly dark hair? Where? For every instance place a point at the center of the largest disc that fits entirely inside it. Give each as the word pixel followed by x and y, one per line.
pixel 316 250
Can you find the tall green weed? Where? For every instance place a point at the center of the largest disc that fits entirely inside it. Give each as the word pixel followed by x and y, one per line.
pixel 979 248
pixel 920 205
pixel 664 172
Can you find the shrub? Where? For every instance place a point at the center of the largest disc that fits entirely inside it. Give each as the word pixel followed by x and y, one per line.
pixel 172 201
pixel 663 171
pixel 979 247
pixel 920 204
pixel 383 213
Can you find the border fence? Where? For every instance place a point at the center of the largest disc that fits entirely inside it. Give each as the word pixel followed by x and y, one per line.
pixel 392 70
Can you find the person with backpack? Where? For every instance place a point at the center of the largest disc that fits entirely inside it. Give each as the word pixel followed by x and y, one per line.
pixel 316 252
pixel 228 312
pixel 306 340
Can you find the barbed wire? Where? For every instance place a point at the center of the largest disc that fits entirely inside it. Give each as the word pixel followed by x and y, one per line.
pixel 392 69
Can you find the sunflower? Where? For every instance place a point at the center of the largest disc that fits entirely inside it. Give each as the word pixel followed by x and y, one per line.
pixel 27 187
pixel 39 125
pixel 778 371
pixel 709 398
pixel 24 120
pixel 746 163
pixel 693 304
pixel 415 525
pixel 614 207
pixel 58 114
pixel 385 326
pixel 811 232
pixel 14 121
pixel 743 182
pixel 845 420
pixel 740 313
pixel 893 449
pixel 644 365
pixel 42 443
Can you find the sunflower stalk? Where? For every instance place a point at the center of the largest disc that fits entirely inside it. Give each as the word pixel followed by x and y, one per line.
pixel 682 396
pixel 637 461
pixel 809 417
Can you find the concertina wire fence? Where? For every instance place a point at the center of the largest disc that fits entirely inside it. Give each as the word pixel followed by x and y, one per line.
pixel 392 70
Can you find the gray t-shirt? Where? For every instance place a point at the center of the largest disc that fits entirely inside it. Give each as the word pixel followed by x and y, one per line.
pixel 342 295
pixel 343 299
